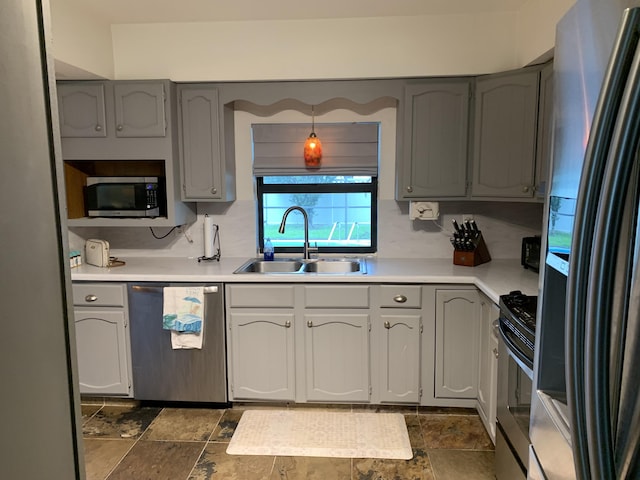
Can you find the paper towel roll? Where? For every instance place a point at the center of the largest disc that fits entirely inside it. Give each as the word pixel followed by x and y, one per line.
pixel 208 236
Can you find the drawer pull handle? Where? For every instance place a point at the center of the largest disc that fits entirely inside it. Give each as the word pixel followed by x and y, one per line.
pixel 495 352
pixel 287 324
pixel 387 325
pixel 91 298
pixel 399 299
pixel 309 324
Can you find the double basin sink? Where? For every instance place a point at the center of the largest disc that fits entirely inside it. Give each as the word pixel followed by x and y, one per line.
pixel 299 266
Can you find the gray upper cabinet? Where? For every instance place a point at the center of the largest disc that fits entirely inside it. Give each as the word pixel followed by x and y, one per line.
pixel 506 115
pixel 433 163
pixel 207 158
pixel 545 130
pixel 82 110
pixel 139 109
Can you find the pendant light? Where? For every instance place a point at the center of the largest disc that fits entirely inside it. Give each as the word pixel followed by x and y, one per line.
pixel 312 147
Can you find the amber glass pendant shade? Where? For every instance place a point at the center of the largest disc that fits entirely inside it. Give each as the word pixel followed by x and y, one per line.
pixel 312 151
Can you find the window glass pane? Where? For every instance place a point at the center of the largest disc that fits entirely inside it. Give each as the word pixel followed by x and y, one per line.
pixel 335 219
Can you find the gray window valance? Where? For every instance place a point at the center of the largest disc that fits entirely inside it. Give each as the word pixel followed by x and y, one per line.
pixel 348 149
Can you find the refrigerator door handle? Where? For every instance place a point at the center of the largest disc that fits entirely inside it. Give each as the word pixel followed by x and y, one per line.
pixel 605 274
pixel 581 248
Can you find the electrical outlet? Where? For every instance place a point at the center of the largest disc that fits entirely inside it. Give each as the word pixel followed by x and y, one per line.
pixel 467 217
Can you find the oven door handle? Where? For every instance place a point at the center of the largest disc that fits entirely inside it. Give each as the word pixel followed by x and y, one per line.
pixel 522 361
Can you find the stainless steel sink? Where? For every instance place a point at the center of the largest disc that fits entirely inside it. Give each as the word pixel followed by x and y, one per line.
pixel 276 266
pixel 336 266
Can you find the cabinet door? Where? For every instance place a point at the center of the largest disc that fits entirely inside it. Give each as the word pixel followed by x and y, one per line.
pixel 103 361
pixel 545 130
pixel 81 109
pixel 488 366
pixel 435 140
pixel 200 148
pixel 506 111
pixel 337 357
pixel 400 357
pixel 457 339
pixel 139 109
pixel 262 356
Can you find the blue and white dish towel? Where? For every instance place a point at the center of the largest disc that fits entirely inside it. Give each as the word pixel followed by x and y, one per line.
pixel 183 311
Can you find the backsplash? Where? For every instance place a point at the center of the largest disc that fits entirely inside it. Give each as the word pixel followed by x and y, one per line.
pixel 503 226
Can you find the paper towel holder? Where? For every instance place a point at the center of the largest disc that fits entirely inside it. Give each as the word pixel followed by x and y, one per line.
pixel 216 242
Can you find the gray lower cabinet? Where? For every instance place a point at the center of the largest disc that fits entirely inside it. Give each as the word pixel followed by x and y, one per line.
pixel 261 344
pixel 336 353
pixel 434 156
pixel 398 330
pixel 102 338
pixel 506 115
pixel 488 364
pixel 207 159
pixel 457 339
pixel 262 356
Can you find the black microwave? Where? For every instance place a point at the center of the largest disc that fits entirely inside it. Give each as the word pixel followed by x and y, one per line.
pixel 530 257
pixel 125 196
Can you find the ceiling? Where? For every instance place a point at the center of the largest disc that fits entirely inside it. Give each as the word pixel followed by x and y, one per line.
pixel 165 11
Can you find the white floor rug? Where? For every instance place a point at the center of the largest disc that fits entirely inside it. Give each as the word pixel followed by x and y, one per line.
pixel 321 434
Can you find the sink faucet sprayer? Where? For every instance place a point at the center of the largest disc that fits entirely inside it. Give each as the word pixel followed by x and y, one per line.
pixel 305 248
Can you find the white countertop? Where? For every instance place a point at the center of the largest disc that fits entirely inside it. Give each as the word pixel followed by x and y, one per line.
pixel 494 278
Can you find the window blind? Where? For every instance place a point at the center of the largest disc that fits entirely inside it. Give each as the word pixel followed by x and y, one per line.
pixel 348 149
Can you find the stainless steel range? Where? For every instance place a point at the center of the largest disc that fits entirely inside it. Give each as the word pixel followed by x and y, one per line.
pixel 517 327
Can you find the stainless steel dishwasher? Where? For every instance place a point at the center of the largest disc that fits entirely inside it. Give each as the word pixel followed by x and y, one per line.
pixel 162 373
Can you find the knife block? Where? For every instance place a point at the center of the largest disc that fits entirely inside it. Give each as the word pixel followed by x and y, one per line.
pixel 471 258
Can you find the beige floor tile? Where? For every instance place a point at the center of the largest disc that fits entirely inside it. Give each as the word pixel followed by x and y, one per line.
pixel 458 432
pixel 418 468
pixel 185 424
pixel 214 463
pixel 151 460
pixel 88 411
pixel 119 422
pixel 102 455
pixel 462 465
pixel 415 431
pixel 226 426
pixel 311 468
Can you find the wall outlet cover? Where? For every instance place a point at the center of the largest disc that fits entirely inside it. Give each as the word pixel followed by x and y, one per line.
pixel 424 210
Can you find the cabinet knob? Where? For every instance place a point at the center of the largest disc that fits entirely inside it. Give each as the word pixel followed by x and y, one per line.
pixel 495 352
pixel 399 299
pixel 98 128
pixel 387 325
pixel 119 128
pixel 409 189
pixel 287 324
pixel 526 188
pixel 91 298
pixel 214 190
pixel 309 324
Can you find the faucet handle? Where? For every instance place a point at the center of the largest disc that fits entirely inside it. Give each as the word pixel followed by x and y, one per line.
pixel 312 250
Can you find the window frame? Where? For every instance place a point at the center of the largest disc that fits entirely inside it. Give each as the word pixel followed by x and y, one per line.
pixel 288 188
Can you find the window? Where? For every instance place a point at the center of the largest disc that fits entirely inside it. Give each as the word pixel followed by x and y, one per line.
pixel 342 212
pixel 340 197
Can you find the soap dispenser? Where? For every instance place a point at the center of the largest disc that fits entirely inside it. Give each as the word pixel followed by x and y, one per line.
pixel 268 250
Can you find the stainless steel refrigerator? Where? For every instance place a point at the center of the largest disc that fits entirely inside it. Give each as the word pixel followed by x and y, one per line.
pixel 40 405
pixel 585 412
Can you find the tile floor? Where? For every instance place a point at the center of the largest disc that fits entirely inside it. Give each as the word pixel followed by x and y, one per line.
pixel 127 441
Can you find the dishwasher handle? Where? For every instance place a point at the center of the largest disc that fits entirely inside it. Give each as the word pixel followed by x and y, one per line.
pixel 151 289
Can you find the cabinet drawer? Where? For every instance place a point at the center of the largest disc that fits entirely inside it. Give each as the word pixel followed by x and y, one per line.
pixel 400 296
pixel 336 296
pixel 262 295
pixel 99 294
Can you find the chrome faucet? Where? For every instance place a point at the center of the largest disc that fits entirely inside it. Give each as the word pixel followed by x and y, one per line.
pixel 305 248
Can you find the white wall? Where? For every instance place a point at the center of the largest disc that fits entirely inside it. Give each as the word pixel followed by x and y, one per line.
pixel 81 42
pixel 317 49
pixel 536 33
